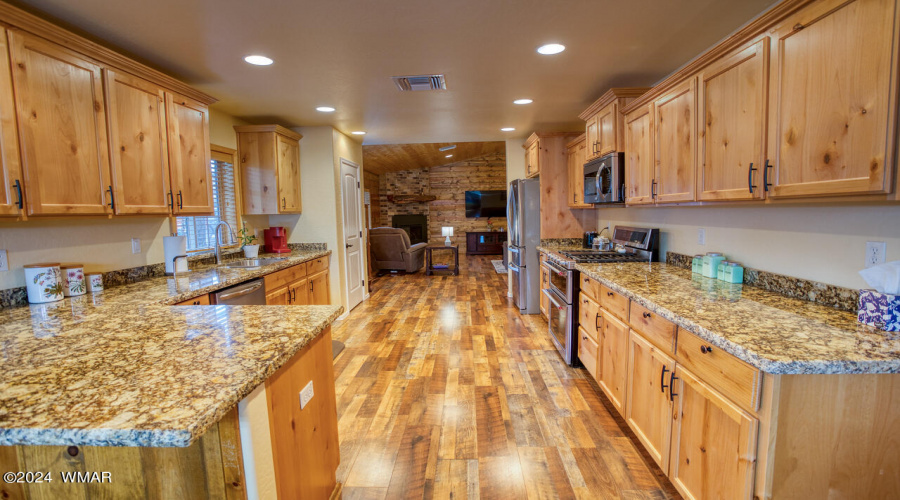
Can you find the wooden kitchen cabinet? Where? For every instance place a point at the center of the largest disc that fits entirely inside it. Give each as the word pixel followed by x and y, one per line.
pixel 675 140
pixel 732 104
pixel 11 182
pixel 607 129
pixel 613 360
pixel 640 163
pixel 202 300
pixel 713 450
pixel 588 352
pixel 576 154
pixel 270 169
pixel 532 156
pixel 833 105
pixel 319 293
pixel 62 128
pixel 189 155
pixel 605 123
pixel 648 408
pixel 545 284
pixel 139 152
pixel 591 137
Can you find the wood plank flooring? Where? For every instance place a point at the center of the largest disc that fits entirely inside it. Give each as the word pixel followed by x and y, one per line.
pixel 445 391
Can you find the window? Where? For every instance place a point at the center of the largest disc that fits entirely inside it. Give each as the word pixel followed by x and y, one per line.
pixel 200 229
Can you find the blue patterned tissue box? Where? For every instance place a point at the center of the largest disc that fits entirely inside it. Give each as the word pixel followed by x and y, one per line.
pixel 880 310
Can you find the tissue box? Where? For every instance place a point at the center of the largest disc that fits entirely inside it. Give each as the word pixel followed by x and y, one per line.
pixel 880 310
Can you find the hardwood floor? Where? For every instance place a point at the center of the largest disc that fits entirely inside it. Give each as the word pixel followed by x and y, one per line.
pixel 446 391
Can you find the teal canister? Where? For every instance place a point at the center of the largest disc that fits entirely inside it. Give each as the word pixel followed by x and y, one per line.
pixel 720 270
pixel 711 264
pixel 733 273
pixel 697 264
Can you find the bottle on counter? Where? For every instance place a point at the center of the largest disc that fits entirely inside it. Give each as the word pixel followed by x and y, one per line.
pixel 697 264
pixel 711 264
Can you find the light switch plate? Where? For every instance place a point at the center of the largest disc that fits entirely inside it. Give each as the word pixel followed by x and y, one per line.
pixel 135 245
pixel 4 261
pixel 701 236
pixel 306 394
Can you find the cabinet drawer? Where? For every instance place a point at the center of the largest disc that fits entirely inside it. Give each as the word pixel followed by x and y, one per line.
pixel 658 331
pixel 202 300
pixel 614 302
pixel 591 288
pixel 317 265
pixel 285 276
pixel 589 316
pixel 588 351
pixel 736 379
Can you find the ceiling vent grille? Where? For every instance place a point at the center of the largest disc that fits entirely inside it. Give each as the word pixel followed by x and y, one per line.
pixel 420 82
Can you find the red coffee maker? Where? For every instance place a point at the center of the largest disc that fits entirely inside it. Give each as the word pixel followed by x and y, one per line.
pixel 276 240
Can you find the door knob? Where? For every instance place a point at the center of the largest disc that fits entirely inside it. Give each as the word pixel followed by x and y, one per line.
pixel 347 245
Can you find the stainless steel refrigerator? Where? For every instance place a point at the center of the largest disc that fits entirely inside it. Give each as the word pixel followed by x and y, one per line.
pixel 523 215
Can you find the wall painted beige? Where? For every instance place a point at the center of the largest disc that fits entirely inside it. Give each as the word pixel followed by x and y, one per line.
pixel 515 159
pixel 100 243
pixel 821 243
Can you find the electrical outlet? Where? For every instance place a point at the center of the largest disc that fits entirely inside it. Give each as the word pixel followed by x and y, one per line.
pixel 4 261
pixel 875 251
pixel 135 245
pixel 306 394
pixel 701 236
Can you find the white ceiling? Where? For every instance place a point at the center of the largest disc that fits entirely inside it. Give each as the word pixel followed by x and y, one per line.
pixel 342 53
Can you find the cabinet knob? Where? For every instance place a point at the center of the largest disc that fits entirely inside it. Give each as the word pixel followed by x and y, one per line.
pixel 705 349
pixel 647 315
pixel 610 294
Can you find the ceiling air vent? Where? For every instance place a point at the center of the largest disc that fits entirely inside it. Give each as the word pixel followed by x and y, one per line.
pixel 420 82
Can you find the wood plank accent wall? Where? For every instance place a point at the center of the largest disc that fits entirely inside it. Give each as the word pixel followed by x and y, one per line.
pixel 372 184
pixel 449 184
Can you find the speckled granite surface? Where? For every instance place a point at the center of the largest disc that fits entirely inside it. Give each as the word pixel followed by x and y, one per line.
pixel 566 243
pixel 123 368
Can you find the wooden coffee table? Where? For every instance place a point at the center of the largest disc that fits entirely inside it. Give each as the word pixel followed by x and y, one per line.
pixel 429 268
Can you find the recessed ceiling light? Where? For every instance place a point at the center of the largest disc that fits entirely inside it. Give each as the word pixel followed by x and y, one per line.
pixel 449 156
pixel 447 148
pixel 551 48
pixel 358 132
pixel 325 109
pixel 523 101
pixel 258 60
pixel 507 129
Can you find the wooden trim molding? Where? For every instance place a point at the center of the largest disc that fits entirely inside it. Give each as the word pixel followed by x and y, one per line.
pixel 278 129
pixel 575 141
pixel 16 18
pixel 610 96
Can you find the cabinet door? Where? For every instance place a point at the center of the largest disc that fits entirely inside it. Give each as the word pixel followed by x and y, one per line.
pixel 675 142
pixel 732 134
pixel 288 175
pixel 606 129
pixel 613 360
pixel 299 293
pixel 138 153
pixel 545 284
pixel 640 165
pixel 11 190
pixel 318 289
pixel 648 409
pixel 588 352
pixel 592 137
pixel 278 297
pixel 189 156
pixel 62 128
pixel 713 443
pixel 832 109
pixel 575 171
pixel 532 167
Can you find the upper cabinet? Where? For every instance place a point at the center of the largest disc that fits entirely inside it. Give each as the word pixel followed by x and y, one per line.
pixel 675 134
pixel 832 111
pixel 532 156
pixel 270 169
pixel 62 128
pixel 640 165
pixel 138 152
pixel 732 104
pixel 576 152
pixel 11 189
pixel 189 156
pixel 605 122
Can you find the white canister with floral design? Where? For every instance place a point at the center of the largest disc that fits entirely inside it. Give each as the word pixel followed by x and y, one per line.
pixel 95 282
pixel 73 280
pixel 43 283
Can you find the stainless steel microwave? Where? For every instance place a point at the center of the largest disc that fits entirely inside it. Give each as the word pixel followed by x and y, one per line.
pixel 604 179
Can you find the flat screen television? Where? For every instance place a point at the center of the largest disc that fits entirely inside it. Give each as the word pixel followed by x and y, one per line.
pixel 486 203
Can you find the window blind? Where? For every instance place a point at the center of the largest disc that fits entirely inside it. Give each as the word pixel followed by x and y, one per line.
pixel 200 229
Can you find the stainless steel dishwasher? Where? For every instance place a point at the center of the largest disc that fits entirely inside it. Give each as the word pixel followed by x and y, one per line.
pixel 249 293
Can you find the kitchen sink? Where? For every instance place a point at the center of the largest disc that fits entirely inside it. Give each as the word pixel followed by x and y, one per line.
pixel 252 263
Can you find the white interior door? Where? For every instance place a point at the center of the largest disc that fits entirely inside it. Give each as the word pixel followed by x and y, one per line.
pixel 353 251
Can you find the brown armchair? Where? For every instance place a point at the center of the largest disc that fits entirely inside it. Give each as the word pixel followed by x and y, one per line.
pixel 391 250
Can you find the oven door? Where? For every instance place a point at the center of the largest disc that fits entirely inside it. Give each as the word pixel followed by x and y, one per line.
pixel 560 318
pixel 561 281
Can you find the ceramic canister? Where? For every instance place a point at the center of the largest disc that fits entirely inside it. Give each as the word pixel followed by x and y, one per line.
pixel 73 280
pixel 43 283
pixel 95 282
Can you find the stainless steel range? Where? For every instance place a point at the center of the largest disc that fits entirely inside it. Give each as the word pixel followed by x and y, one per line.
pixel 632 244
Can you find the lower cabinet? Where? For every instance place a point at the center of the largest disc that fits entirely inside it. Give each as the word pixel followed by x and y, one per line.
pixel 713 442
pixel 613 360
pixel 319 293
pixel 202 300
pixel 293 287
pixel 545 283
pixel 588 352
pixel 648 402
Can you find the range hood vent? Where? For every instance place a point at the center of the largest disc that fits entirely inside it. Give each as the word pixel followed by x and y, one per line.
pixel 420 82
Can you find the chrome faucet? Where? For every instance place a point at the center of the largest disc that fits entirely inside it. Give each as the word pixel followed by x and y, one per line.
pixel 219 240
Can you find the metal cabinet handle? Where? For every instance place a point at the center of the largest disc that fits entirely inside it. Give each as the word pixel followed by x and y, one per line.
pixel 610 294
pixel 653 189
pixel 672 392
pixel 283 203
pixel 766 183
pixel 312 286
pixel 112 200
pixel 19 200
pixel 180 200
pixel 171 200
pixel 585 301
pixel 662 380
pixel 647 315
pixel 586 280
pixel 750 177
pixel 705 349
pixel 597 321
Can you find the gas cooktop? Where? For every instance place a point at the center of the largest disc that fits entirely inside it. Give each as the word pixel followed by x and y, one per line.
pixel 596 257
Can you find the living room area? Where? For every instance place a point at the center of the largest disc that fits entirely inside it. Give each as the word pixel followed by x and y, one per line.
pixel 431 206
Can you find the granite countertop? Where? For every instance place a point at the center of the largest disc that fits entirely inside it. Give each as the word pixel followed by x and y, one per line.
pixel 125 368
pixel 776 334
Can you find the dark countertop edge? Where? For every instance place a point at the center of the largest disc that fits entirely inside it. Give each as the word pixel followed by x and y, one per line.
pixel 159 438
